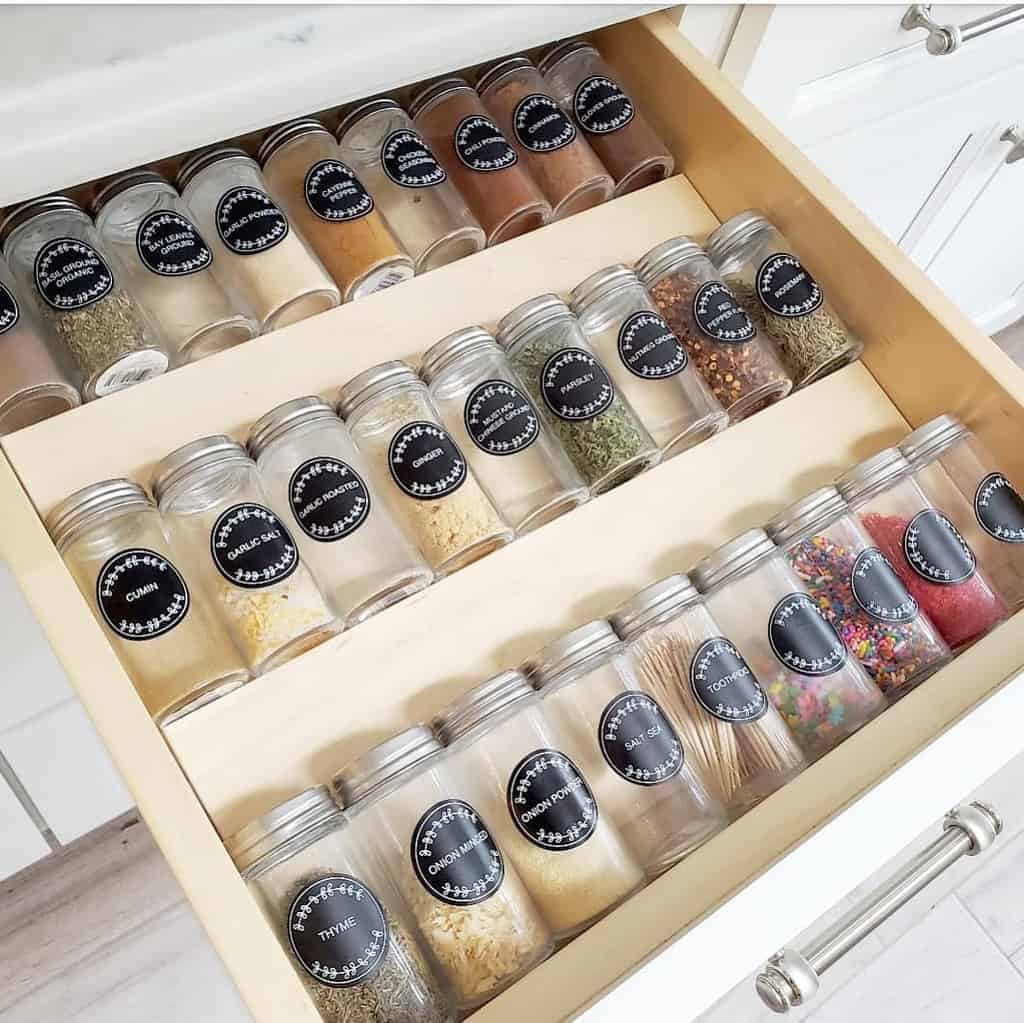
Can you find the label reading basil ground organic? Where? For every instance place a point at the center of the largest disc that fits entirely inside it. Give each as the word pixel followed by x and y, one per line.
pixel 248 221
pixel 170 245
pixel 334 193
pixel 575 385
pixel 9 312
pixel 720 316
pixel 723 683
pixel 540 124
pixel 550 801
pixel 500 419
pixel 601 106
pixel 936 551
pixel 481 146
pixel 409 162
pixel 71 274
pixel 1000 509
pixel 251 547
pixel 649 349
pixel 328 498
pixel 637 740
pixel 785 288
pixel 879 590
pixel 803 639
pixel 140 594
pixel 425 462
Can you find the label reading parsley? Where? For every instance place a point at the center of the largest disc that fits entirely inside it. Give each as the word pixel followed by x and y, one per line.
pixel 803 639
pixel 601 106
pixel 637 740
pixel 481 146
pixel 248 221
pixel 1000 509
pixel 648 348
pixel 550 801
pixel 337 931
pixel 170 245
pixel 879 590
pixel 251 547
pixel 334 193
pixel 541 125
pixel 9 312
pixel 500 419
pixel 454 856
pixel 425 462
pixel 141 595
pixel 786 288
pixel 408 161
pixel 575 385
pixel 71 274
pixel 723 683
pixel 720 316
pixel 936 551
pixel 328 498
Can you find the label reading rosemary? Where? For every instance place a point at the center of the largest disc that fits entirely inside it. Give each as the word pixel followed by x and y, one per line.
pixel 723 683
pixel 9 312
pixel 251 547
pixel 141 595
pixel 328 498
pixel 334 193
pixel 550 801
pixel 481 146
pixel 1000 509
pixel 720 316
pixel 248 221
pixel 425 462
pixel 936 551
pixel 601 106
pixel 879 590
pixel 637 740
pixel 71 274
pixel 786 288
pixel 408 161
pixel 500 419
pixel 803 639
pixel 575 385
pixel 540 124
pixel 170 245
pixel 648 348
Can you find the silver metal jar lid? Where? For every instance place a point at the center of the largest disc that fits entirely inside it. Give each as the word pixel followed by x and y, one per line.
pixel 288 132
pixel 528 315
pixel 286 417
pixel 490 76
pixel 481 703
pixel 872 475
pixel 193 457
pixel 450 349
pixel 90 504
pixel 927 442
pixel 121 183
pixel 599 285
pixel 198 162
pixel 435 90
pixel 668 255
pixel 569 651
pixel 654 603
pixel 726 240
pixel 814 511
pixel 363 110
pixel 372 382
pixel 366 774
pixel 26 211
pixel 733 558
pixel 560 51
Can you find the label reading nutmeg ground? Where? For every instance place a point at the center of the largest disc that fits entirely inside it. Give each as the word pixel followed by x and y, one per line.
pixel 140 594
pixel 541 125
pixel 334 193
pixel 408 160
pixel 9 312
pixel 936 551
pixel 785 288
pixel 248 221
pixel 500 419
pixel 723 683
pixel 550 801
pixel 998 506
pixel 601 106
pixel 720 316
pixel 251 547
pixel 71 274
pixel 575 385
pixel 170 245
pixel 648 347
pixel 425 462
pixel 328 499
pixel 481 146
pixel 803 639
pixel 637 740
pixel 879 590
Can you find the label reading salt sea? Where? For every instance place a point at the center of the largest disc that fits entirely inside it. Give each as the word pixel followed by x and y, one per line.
pixel 425 462
pixel 334 193
pixel 71 274
pixel 1000 509
pixel 601 106
pixel 9 311
pixel 550 801
pixel 541 125
pixel 328 499
pixel 141 595
pixel 248 221
pixel 803 639
pixel 936 551
pixel 454 855
pixel 170 245
pixel 408 161
pixel 575 385
pixel 649 349
pixel 637 740
pixel 786 288
pixel 879 590
pixel 481 146
pixel 720 316
pixel 337 931
pixel 251 547
pixel 723 683
pixel 500 419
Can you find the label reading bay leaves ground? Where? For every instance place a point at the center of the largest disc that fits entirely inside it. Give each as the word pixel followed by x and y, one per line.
pixel 170 245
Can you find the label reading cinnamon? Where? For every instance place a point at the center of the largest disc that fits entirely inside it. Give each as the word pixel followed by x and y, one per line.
pixel 540 124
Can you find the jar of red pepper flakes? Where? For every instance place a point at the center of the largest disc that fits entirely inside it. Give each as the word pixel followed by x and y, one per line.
pixel 930 555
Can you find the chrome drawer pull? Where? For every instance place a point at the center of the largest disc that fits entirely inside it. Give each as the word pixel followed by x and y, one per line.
pixel 943 39
pixel 1015 136
pixel 791 977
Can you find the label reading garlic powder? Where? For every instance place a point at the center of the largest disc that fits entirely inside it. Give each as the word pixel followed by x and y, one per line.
pixel 425 462
pixel 140 594
pixel 550 801
pixel 328 499
pixel 170 245
pixel 334 193
pixel 637 740
pixel 248 221
pixel 251 547
pixel 9 312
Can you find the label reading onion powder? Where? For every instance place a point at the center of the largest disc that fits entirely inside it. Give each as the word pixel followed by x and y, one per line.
pixel 170 245
pixel 550 801
pixel 648 347
pixel 481 146
pixel 334 193
pixel 997 504
pixel 248 221
pixel 601 106
pixel 540 124
pixel 71 274
pixel 936 551
pixel 500 419
pixel 803 639
pixel 251 547
pixel 140 594
pixel 723 683
pixel 425 462
pixel 408 161
pixel 9 312
pixel 575 385
pixel 637 740
pixel 786 288
pixel 328 499
pixel 879 590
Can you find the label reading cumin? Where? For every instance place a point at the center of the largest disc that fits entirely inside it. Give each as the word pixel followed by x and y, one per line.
pixel 140 594
pixel 575 385
pixel 550 801
pixel 248 221
pixel 251 547
pixel 170 245
pixel 328 499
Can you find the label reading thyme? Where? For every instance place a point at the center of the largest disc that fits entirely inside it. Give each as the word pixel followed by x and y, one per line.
pixel 997 504
pixel 803 639
pixel 248 221
pixel 481 146
pixel 71 274
pixel 720 316
pixel 550 801
pixel 540 124
pixel 425 462
pixel 575 385
pixel 649 349
pixel 141 595
pixel 408 161
pixel 879 590
pixel 936 551
pixel 500 419
pixel 334 193
pixel 328 498
pixel 601 106
pixel 251 547
pixel 637 740
pixel 170 245
pixel 785 288
pixel 9 312
pixel 723 683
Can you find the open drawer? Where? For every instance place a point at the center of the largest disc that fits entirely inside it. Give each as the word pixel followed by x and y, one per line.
pixel 778 867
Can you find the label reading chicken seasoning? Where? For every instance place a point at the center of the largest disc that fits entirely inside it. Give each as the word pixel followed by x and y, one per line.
pixel 248 221
pixel 408 161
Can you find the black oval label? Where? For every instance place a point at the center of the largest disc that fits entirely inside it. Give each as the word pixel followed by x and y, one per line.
pixel 601 106
pixel 425 462
pixel 328 498
pixel 248 221
pixel 170 245
pixel 540 124
pixel 141 595
pixel 500 419
pixel 334 193
pixel 720 316
pixel 723 683
pixel 409 162
pixel 803 639
pixel 481 146
pixel 454 855
pixel 575 385
pixel 251 547
pixel 637 740
pixel 71 274
pixel 648 347
pixel 551 802
pixel 786 288
pixel 337 931
pixel 1000 509
pixel 9 312
pixel 879 590
pixel 936 551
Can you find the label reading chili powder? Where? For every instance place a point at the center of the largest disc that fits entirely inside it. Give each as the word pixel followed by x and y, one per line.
pixel 170 245
pixel 408 161
pixel 575 385
pixel 723 683
pixel 720 316
pixel 248 221
pixel 500 419
pixel 803 639
pixel 141 594
pixel 936 551
pixel 541 125
pixel 648 348
pixel 425 462
pixel 329 499
pixel 454 856
pixel 601 106
pixel 251 547
pixel 481 146
pixel 637 740
pixel 879 590
pixel 334 193
pixel 338 931
pixel 71 274
pixel 9 312
pixel 786 288
pixel 1000 509
pixel 550 801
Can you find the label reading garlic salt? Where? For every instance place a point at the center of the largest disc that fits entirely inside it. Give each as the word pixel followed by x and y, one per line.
pixel 540 125
pixel 575 385
pixel 649 349
pixel 601 106
pixel 1000 509
pixel 637 740
pixel 481 146
pixel 723 683
pixel 248 221
pixel 879 590
pixel 936 551
pixel 785 288
pixel 550 802
pixel 425 462
pixel 251 547
pixel 71 274
pixel 9 312
pixel 803 639
pixel 408 161
pixel 140 594
pixel 334 193
pixel 170 245
pixel 500 419
pixel 720 316
pixel 328 499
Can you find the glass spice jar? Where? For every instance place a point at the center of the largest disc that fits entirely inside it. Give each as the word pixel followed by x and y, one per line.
pixel 859 592
pixel 619 133
pixel 215 507
pixel 634 760
pixel 928 552
pixel 822 693
pixel 324 198
pixel 483 405
pixel 569 853
pixel 479 159
pixel 558 157
pixel 427 830
pixel 986 508
pixel 413 460
pixel 269 265
pixel 739 364
pixel 168 267
pixel 648 364
pixel 419 201
pixel 343 927
pixel 57 257
pixel 132 576
pixel 597 427
pixel 318 485
pixel 784 300
pixel 734 737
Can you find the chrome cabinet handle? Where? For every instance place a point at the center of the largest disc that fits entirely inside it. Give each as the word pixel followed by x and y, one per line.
pixel 1015 136
pixel 943 39
pixel 791 977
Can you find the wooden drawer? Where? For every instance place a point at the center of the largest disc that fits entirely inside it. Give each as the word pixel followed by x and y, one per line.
pixel 292 727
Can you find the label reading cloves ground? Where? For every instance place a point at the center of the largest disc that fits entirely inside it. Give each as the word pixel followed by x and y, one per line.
pixel 550 802
pixel 1000 509
pixel 601 106
pixel 649 349
pixel 786 288
pixel 879 590
pixel 140 594
pixel 170 245
pixel 723 683
pixel 936 551
pixel 575 385
pixel 720 316
pixel 540 124
pixel 251 547
pixel 481 146
pixel 803 639
pixel 334 193
pixel 9 312
pixel 71 274
pixel 248 221
pixel 425 462
pixel 500 419
pixel 637 740
pixel 328 499
pixel 409 162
